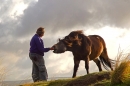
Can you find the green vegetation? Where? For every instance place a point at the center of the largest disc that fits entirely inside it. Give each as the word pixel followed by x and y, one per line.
pixel 121 74
pixel 79 81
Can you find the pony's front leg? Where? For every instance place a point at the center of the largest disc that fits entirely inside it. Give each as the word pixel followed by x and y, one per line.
pixel 87 64
pixel 76 65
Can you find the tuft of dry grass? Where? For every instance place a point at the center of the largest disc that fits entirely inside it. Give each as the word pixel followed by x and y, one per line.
pixel 2 73
pixel 121 74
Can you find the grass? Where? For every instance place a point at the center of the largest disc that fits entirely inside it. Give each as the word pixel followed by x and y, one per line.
pixel 61 82
pixel 79 81
pixel 121 74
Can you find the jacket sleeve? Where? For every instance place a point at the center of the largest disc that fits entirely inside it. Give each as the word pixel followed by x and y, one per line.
pixel 40 45
pixel 46 49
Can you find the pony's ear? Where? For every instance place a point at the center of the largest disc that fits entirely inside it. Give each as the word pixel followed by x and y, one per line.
pixel 58 40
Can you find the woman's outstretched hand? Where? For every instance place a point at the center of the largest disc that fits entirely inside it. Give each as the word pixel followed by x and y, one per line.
pixel 52 48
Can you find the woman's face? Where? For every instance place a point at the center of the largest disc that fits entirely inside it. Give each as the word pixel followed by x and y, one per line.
pixel 42 35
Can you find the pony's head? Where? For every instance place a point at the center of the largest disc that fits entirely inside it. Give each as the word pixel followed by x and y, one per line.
pixel 69 42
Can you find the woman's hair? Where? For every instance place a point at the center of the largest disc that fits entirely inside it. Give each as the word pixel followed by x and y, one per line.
pixel 40 31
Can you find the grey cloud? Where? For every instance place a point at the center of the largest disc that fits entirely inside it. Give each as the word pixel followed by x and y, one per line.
pixel 64 15
pixel 14 46
pixel 4 8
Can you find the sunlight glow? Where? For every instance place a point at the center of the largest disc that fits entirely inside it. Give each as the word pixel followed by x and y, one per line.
pixel 114 38
pixel 36 0
pixel 18 9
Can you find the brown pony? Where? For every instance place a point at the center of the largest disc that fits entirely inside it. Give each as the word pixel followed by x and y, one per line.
pixel 84 48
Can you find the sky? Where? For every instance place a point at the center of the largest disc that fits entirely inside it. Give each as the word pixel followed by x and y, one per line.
pixel 19 20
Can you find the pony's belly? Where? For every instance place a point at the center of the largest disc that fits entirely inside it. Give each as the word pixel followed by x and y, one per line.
pixel 80 57
pixel 95 54
pixel 92 57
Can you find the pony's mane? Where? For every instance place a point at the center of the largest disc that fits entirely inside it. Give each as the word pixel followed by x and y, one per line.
pixel 80 38
pixel 77 32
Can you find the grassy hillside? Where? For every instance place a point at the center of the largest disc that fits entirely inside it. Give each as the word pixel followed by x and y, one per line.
pixel 119 77
pixel 93 79
pixel 79 81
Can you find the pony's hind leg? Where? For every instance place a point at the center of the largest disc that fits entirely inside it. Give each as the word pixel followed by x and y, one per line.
pixel 98 63
pixel 105 59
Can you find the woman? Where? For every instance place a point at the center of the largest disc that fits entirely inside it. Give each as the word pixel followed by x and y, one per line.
pixel 39 72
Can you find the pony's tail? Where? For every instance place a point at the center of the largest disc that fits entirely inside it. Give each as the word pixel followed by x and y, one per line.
pixel 107 63
pixel 104 63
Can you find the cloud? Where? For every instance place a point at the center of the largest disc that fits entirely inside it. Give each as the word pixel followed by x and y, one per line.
pixel 65 15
